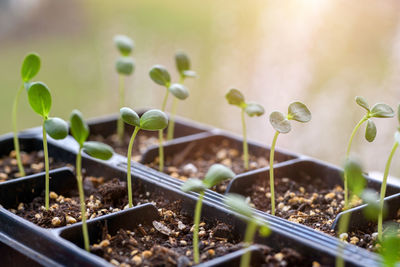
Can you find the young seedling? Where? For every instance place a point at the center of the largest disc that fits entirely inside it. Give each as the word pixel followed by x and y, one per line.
pixel 152 120
pixel 80 132
pixel 40 100
pixel 125 66
pixel 160 75
pixel 183 66
pixel 297 111
pixel 235 97
pixel 30 67
pixel 238 204
pixel 390 246
pixel 379 110
pixel 215 175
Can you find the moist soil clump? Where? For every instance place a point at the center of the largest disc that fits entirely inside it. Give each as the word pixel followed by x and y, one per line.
pixel 33 162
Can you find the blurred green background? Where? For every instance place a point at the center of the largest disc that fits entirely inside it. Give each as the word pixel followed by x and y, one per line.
pixel 321 52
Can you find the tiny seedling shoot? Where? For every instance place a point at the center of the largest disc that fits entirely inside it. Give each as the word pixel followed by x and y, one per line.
pixel 183 66
pixel 80 132
pixel 160 75
pixel 30 67
pixel 152 120
pixel 238 204
pixel 215 175
pixel 125 66
pixel 379 110
pixel 297 111
pixel 40 100
pixel 235 97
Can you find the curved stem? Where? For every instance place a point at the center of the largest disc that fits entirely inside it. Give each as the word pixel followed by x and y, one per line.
pixel 383 189
pixel 129 159
pixel 271 172
pixel 15 130
pixel 171 126
pixel 46 164
pixel 245 146
pixel 248 239
pixel 160 137
pixel 197 215
pixel 120 123
pixel 82 199
pixel 164 103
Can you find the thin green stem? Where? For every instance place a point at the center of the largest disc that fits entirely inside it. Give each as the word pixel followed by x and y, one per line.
pixel 82 199
pixel 245 146
pixel 15 129
pixel 171 126
pixel 248 239
pixel 343 226
pixel 197 215
pixel 164 103
pixel 160 151
pixel 46 164
pixel 383 189
pixel 129 159
pixel 271 172
pixel 120 124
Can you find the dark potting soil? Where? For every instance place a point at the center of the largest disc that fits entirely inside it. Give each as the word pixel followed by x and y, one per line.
pixel 33 162
pixel 194 161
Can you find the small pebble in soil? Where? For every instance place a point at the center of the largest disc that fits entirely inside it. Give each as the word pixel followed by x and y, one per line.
pixel 343 236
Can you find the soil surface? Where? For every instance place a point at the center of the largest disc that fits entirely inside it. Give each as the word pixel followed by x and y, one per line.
pixel 194 161
pixel 33 163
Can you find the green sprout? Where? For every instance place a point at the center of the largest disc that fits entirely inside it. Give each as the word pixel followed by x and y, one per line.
pixel 80 132
pixel 160 75
pixel 183 66
pixel 238 204
pixel 30 67
pixel 379 110
pixel 125 66
pixel 215 175
pixel 297 111
pixel 40 100
pixel 390 246
pixel 152 120
pixel 235 97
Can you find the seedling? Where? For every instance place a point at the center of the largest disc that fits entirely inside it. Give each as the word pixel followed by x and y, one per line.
pixel 152 120
pixel 30 67
pixel 80 132
pixel 214 176
pixel 390 246
pixel 297 111
pixel 238 204
pixel 235 97
pixel 40 100
pixel 160 75
pixel 183 66
pixel 379 110
pixel 125 66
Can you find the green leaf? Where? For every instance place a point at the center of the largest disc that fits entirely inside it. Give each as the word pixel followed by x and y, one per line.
pixel 160 75
pixel 216 174
pixel 362 102
pixel 179 91
pixel 299 112
pixel 129 116
pixel 98 150
pixel 190 73
pixel 124 44
pixel 57 128
pixel 237 203
pixel 39 98
pixel 193 184
pixel 390 246
pixel 397 136
pixel 79 129
pixel 125 65
pixel 182 62
pixel 381 110
pixel 279 121
pixel 355 178
pixel 30 66
pixel 153 120
pixel 235 97
pixel 370 131
pixel 370 197
pixel 264 230
pixel 254 109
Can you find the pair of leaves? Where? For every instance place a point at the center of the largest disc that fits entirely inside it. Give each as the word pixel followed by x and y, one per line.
pixel 30 67
pixel 235 97
pixel 160 75
pixel 152 120
pixel 296 111
pixel 80 132
pixel 125 65
pixel 124 44
pixel 183 65
pixel 216 174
